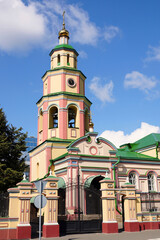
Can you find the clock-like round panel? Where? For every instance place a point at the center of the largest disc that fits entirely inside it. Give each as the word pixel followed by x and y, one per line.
pixel 71 82
pixel 93 150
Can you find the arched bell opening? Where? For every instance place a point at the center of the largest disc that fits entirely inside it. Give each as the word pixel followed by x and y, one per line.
pixel 53 117
pixel 72 115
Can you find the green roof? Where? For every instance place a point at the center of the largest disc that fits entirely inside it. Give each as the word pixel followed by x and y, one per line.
pixel 66 94
pixel 24 181
pixel 65 47
pixel 63 67
pixel 61 183
pixel 32 199
pixel 53 139
pixel 149 140
pixel 89 180
pixel 128 154
pixel 59 157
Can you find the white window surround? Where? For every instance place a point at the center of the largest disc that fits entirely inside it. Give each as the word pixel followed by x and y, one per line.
pixel 151 178
pixel 134 179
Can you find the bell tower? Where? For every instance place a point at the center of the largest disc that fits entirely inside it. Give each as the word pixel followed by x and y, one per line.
pixel 63 110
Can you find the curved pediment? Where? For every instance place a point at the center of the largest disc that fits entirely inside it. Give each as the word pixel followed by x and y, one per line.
pixel 91 145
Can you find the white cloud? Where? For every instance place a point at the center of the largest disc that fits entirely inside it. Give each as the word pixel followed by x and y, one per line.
pixel 119 137
pixel 139 81
pixel 102 92
pixel 153 54
pixel 20 25
pixel 83 54
pixel 23 26
pixel 110 33
pixel 84 31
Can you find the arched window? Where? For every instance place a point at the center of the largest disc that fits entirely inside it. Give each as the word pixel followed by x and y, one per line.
pixel 53 117
pixel 72 117
pixel 68 59
pixel 151 182
pixel 133 178
pixel 58 59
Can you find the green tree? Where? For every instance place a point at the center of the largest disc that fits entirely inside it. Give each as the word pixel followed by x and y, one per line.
pixel 12 161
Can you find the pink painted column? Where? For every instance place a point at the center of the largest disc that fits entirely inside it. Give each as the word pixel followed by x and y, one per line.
pixel 45 121
pixel 48 157
pixel 63 82
pixel 78 84
pixel 63 125
pixel 81 113
pixel 82 130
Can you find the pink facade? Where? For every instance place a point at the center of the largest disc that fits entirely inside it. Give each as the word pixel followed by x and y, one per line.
pixel 63 82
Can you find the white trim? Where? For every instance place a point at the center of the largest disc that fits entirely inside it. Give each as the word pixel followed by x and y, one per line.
pixel 50 224
pixel 7 228
pixel 131 221
pixel 23 225
pixel 109 222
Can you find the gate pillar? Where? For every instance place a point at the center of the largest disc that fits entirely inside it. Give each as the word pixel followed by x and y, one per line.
pixel 109 223
pixel 131 223
pixel 24 227
pixel 51 226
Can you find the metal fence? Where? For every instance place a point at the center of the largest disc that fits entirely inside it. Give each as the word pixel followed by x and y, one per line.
pixel 150 202
pixel 4 204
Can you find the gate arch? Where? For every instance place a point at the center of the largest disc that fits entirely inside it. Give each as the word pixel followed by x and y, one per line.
pixel 93 195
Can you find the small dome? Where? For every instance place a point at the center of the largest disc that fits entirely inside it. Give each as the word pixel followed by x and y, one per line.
pixel 63 33
pixel 91 124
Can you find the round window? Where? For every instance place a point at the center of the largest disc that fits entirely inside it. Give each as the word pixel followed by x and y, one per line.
pixel 71 82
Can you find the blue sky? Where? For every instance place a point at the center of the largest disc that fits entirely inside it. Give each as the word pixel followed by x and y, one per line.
pixel 119 52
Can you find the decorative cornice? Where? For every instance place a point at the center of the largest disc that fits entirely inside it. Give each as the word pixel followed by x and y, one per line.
pixel 65 94
pixel 64 68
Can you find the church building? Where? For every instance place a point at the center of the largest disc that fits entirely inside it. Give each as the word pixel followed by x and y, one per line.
pixel 69 146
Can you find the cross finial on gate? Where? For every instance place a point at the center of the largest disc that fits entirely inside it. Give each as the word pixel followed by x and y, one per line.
pixel 106 176
pixel 24 176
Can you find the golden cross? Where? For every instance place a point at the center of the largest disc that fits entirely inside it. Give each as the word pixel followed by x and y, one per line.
pixel 91 114
pixel 63 20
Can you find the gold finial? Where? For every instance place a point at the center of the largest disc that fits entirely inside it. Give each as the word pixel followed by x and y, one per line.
pixel 63 32
pixel 91 124
pixel 63 20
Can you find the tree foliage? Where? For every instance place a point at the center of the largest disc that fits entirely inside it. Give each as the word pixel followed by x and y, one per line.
pixel 12 146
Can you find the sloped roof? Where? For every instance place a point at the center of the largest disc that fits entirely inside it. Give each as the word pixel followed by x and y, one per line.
pixel 149 140
pixel 127 154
